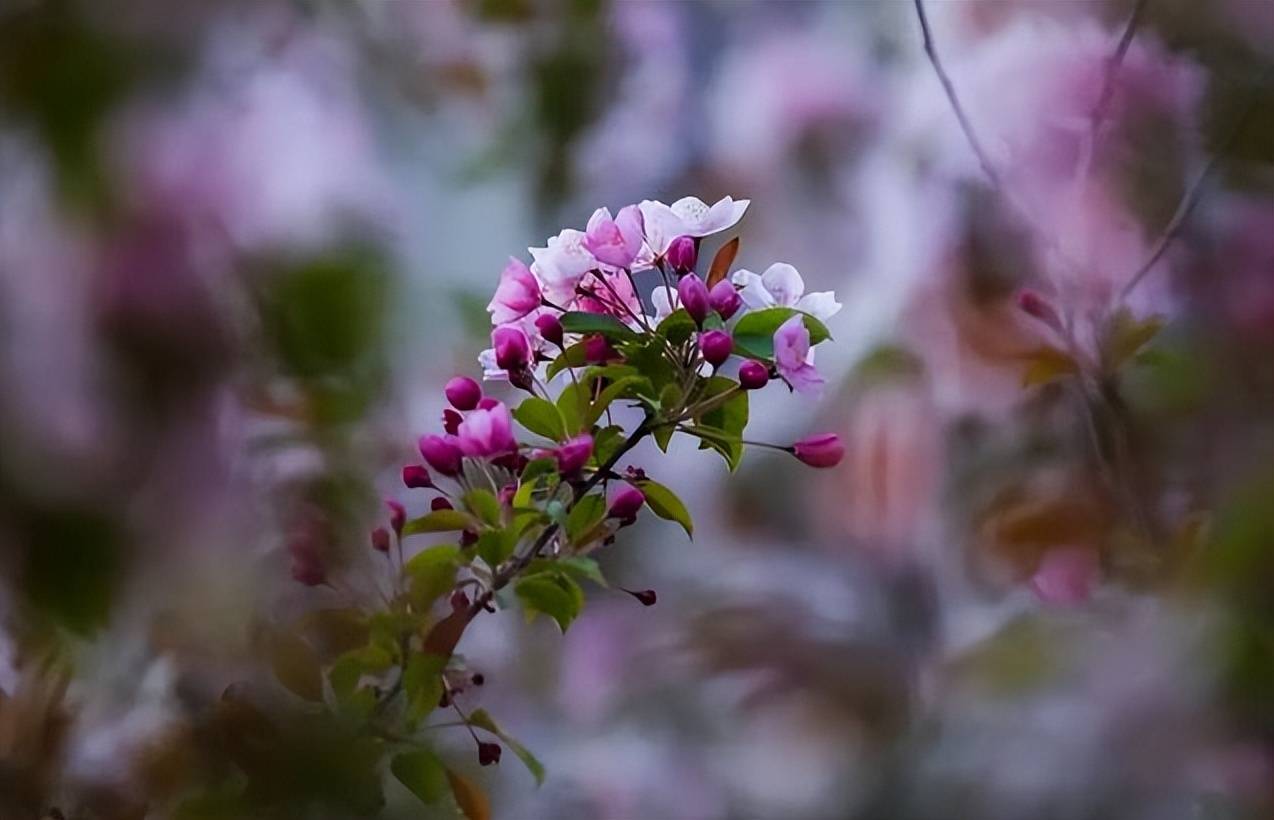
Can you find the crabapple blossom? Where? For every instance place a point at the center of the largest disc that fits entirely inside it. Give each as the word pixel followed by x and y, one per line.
pixel 792 356
pixel 561 264
pixel 782 286
pixel 617 241
pixel 487 432
pixel 682 254
pixel 688 216
pixel 443 453
pixel 574 454
pixel 512 348
pixel 517 294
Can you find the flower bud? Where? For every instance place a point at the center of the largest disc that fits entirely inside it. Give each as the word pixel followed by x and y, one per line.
pixel 397 515
pixel 451 421
pixel 822 450
pixel 626 503
pixel 550 328
pixel 716 346
pixel 380 539
pixel 416 477
pixel 478 679
pixel 1036 306
pixel 468 538
pixel 724 299
pixel 459 601
pixel 753 375
pixel 512 349
pixel 441 453
pixel 598 350
pixel 440 503
pixel 647 597
pixel 574 454
pixel 488 403
pixel 682 254
pixel 507 492
pixel 463 393
pixel 694 297
pixel 489 753
pixel 309 573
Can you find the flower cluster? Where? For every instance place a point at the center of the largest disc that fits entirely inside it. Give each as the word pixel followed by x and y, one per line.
pixel 606 364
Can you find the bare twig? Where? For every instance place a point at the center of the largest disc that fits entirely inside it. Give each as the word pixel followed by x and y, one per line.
pixel 949 88
pixel 1188 200
pixel 1112 69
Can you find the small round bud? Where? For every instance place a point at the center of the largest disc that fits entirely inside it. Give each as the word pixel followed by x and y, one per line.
pixel 489 753
pixel 753 375
pixel 488 403
pixel 397 515
pixel 463 392
pixel 380 539
pixel 682 254
pixel 478 679
pixel 440 503
pixel 647 597
pixel 626 503
pixel 550 328
pixel 598 350
pixel 416 477
pixel 716 346
pixel 724 299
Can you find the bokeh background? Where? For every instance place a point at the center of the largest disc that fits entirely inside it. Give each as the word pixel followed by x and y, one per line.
pixel 243 244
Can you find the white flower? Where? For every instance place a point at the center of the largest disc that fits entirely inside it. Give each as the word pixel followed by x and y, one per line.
pixel 664 301
pixel 491 372
pixel 561 264
pixel 688 216
pixel 782 286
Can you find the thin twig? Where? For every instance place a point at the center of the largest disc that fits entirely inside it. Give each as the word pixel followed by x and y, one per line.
pixel 1112 69
pixel 947 86
pixel 1188 200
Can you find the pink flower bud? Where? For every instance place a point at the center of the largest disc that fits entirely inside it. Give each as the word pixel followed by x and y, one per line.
pixel 626 503
pixel 574 454
pixel 416 477
pixel 512 349
pixel 724 299
pixel 517 294
pixel 440 504
pixel 397 515
pixel 442 453
pixel 488 403
pixel 682 254
pixel 468 538
pixel 1038 307
pixel 451 421
pixel 380 539
pixel 694 297
pixel 822 450
pixel 507 492
pixel 753 375
pixel 716 346
pixel 463 393
pixel 598 350
pixel 550 328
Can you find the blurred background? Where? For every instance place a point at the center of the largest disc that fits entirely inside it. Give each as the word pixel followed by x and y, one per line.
pixel 243 245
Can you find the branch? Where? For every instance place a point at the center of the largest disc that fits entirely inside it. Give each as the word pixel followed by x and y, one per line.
pixel 1112 69
pixel 949 88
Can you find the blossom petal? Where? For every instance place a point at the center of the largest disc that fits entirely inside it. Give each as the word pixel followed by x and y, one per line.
pixel 784 283
pixel 821 305
pixel 753 292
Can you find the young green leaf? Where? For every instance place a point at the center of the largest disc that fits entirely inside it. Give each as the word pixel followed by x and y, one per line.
pixel 479 718
pixel 541 417
pixel 608 326
pixel 575 355
pixel 726 421
pixel 556 596
pixel 665 504
pixel 423 773
pixel 438 521
pixel 587 513
pixel 573 404
pixel 494 546
pixel 612 392
pixel 433 573
pixel 677 327
pixel 484 505
pixel 422 683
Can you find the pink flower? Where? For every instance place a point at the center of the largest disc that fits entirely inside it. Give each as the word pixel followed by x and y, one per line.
pixel 694 297
pixel 463 393
pixel 517 294
pixel 512 348
pixel 822 450
pixel 574 454
pixel 615 241
pixel 442 453
pixel 792 356
pixel 562 264
pixel 612 294
pixel 688 216
pixel 487 433
pixel 1066 575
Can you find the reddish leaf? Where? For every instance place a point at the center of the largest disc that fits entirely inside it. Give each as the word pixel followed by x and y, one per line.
pixel 722 261
pixel 471 799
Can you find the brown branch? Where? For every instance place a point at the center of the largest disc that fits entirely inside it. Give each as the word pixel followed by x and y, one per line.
pixel 1112 69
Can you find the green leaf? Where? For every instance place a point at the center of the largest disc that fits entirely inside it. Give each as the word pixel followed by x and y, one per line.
pixel 575 355
pixel 494 546
pixel 479 718
pixel 726 421
pixel 612 392
pixel 587 513
pixel 670 397
pixel 438 521
pixel 677 327
pixel 573 404
pixel 608 326
pixel 606 441
pixel 754 333
pixel 541 417
pixel 664 503
pixel 484 505
pixel 423 773
pixel 1046 364
pixel 422 683
pixel 1126 335
pixel 582 568
pixel 556 596
pixel 433 573
pixel 651 360
pixel 534 469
